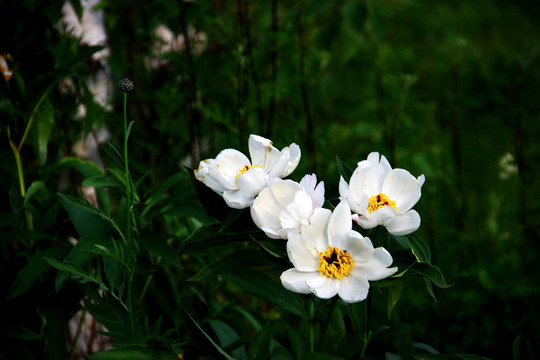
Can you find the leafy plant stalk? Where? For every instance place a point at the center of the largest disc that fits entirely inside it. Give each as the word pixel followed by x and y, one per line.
pixel 129 210
pixel 17 154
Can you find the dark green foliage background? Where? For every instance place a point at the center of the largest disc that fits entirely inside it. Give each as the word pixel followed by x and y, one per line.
pixel 443 89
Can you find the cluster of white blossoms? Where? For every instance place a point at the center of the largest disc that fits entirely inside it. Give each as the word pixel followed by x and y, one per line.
pixel 328 256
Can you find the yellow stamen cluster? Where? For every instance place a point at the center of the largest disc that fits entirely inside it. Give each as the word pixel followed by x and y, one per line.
pixel 335 263
pixel 378 201
pixel 246 168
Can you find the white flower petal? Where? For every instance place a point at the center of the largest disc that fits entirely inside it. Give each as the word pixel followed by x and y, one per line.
pixel 290 220
pixel 227 166
pixel 316 192
pixel 403 224
pixel 323 287
pixel 364 222
pixel 344 192
pixel 315 231
pixel 399 185
pixel 203 175
pixel 358 246
pixel 303 204
pixel 237 200
pixel 376 268
pixel 259 149
pixel 252 182
pixel 421 180
pixel 302 253
pixel 287 161
pixel 265 211
pixel 340 222
pixel 382 215
pixel 353 289
pixel 296 281
pixel 284 191
pixel 382 162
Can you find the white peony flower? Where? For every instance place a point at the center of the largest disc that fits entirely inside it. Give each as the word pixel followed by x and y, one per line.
pixel 330 258
pixel 380 195
pixel 284 206
pixel 240 180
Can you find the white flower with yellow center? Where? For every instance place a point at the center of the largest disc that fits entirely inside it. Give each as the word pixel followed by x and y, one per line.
pixel 240 180
pixel 330 258
pixel 284 206
pixel 380 195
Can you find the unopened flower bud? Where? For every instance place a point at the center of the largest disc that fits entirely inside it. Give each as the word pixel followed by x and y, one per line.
pixel 126 86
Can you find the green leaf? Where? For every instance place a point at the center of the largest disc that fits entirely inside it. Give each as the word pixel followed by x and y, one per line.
pixel 76 271
pixel 101 181
pixel 157 243
pixel 429 288
pixel 359 317
pixel 218 348
pixel 113 154
pixel 237 260
pixel 80 255
pixel 320 356
pixel 53 330
pixel 19 332
pixel 88 220
pixel 209 236
pixel 38 191
pixel 259 346
pixel 425 347
pixel 430 272
pixel 390 356
pixel 393 295
pixel 419 248
pixel 344 169
pixel 157 194
pixel 139 352
pixel 36 266
pixel 111 315
pixel 417 245
pixel 235 215
pixel 262 284
pixel 225 334
pixel 41 128
pixel 67 53
pixel 85 167
pixel 386 333
pixel 128 131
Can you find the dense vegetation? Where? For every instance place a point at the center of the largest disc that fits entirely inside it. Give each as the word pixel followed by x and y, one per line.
pixel 448 89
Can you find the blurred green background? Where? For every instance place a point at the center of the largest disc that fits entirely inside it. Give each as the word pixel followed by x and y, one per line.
pixel 447 89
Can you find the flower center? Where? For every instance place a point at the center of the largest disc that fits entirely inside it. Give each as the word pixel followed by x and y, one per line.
pixel 335 263
pixel 246 168
pixel 378 201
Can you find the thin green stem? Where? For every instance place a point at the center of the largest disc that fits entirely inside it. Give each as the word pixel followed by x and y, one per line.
pixel 129 193
pixel 20 174
pixel 147 284
pixel 78 334
pixel 32 117
pixel 367 320
pixel 312 324
pixel 129 205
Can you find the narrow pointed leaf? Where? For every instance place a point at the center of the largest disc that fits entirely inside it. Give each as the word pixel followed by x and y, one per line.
pixel 36 266
pixel 237 260
pixel 262 284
